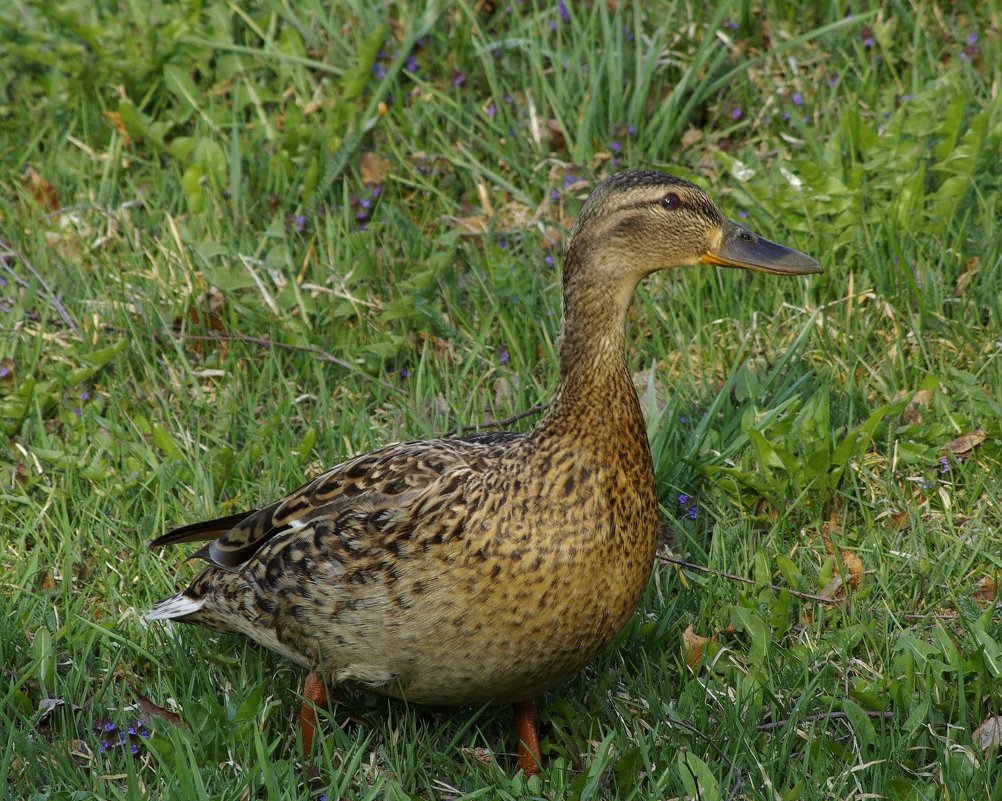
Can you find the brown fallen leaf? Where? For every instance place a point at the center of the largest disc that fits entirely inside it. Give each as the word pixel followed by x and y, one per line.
pixel 989 734
pixel 149 709
pixel 116 121
pixel 374 169
pixel 692 648
pixel 985 591
pixel 962 446
pixel 42 191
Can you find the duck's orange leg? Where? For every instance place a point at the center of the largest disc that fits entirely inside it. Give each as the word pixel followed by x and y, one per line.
pixel 529 758
pixel 314 695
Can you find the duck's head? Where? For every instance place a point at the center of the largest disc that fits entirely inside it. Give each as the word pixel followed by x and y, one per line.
pixel 637 222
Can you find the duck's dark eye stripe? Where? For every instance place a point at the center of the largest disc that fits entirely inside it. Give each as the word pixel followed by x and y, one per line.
pixel 670 201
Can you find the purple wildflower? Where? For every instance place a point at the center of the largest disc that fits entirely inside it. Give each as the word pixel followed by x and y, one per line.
pixel 866 34
pixel 944 464
pixel 683 419
pixel 3 283
pixel 365 203
pixel 404 373
pixel 797 99
pixel 615 146
pixel 731 25
pixel 380 70
pixel 736 113
pixel 554 196
pixel 743 214
pixel 693 513
pixel 4 371
pixel 972 38
pixel 631 130
pixel 300 223
pixel 504 356
pixel 565 15
pixel 412 63
pixel 683 499
pixel 110 727
pixel 925 484
pixel 377 191
pixel 491 111
pixel 548 260
pixel 458 78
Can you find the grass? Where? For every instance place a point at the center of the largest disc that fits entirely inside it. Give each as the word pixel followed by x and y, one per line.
pixel 243 243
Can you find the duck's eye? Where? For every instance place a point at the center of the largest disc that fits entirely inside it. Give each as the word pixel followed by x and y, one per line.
pixel 670 201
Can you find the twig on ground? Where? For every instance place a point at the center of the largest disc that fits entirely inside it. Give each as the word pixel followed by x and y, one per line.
pixel 8 253
pixel 833 715
pixel 270 344
pixel 821 599
pixel 507 421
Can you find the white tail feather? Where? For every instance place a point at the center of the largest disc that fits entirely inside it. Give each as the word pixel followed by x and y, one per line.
pixel 176 606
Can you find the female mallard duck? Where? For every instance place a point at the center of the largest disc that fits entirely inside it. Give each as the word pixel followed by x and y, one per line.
pixel 485 568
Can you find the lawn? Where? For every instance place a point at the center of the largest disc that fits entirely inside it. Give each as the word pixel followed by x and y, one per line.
pixel 242 242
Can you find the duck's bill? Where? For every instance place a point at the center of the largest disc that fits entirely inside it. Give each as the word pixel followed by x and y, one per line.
pixel 739 247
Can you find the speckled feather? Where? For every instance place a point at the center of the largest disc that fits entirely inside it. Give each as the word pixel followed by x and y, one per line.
pixel 483 568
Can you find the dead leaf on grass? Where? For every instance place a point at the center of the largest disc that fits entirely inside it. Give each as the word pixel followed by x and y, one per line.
pixel 374 169
pixel 149 709
pixel 962 446
pixel 692 648
pixel 989 734
pixel 42 191
pixel 985 592
pixel 116 121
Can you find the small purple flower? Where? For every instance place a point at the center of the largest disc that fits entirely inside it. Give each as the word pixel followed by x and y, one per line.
pixel 299 223
pixel 509 100
pixel 134 748
pixel 615 146
pixel 565 15
pixel 683 499
pixel 360 215
pixel 797 99
pixel 377 191
pixel 404 373
pixel 380 70
pixel 631 130
pixel 925 484
pixel 458 78
pixel 866 34
pixel 503 244
pixel 731 25
pixel 554 196
pixel 548 260
pixel 972 38
pixel 491 111
pixel 412 63
pixel 683 419
pixel 736 113
pixel 504 356
pixel 693 513
pixel 110 727
pixel 743 214
pixel 3 283
pixel 365 203
pixel 363 226
pixel 4 371
pixel 944 464
pixel 569 180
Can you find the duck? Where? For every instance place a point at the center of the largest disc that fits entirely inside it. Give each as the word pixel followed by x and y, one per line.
pixel 486 568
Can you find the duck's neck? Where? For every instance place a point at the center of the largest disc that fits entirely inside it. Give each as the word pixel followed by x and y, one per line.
pixel 595 394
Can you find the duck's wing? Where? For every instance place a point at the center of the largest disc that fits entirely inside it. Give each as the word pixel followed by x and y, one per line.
pixel 390 482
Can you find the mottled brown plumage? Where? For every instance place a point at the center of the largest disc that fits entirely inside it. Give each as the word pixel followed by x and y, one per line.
pixel 485 568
